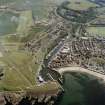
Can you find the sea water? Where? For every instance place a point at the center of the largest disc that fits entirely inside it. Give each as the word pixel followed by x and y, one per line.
pixel 82 89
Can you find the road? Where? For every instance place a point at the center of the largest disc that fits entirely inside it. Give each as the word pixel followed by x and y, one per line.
pixel 54 52
pixel 81 70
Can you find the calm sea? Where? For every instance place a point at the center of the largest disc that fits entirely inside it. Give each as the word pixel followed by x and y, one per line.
pixel 81 89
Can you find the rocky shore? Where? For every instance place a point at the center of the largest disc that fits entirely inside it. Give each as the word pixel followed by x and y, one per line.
pixel 28 98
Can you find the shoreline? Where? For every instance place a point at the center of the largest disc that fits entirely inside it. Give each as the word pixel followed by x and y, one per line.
pixel 61 71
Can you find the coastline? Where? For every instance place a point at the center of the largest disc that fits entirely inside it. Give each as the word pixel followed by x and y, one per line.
pixel 81 70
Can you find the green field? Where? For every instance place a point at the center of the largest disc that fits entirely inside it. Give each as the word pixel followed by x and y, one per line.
pixel 80 4
pixel 49 87
pixel 21 67
pixel 96 31
pixel 19 70
pixel 25 21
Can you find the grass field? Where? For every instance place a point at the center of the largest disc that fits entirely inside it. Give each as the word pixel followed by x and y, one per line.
pixel 96 30
pixel 25 22
pixel 80 4
pixel 35 33
pixel 40 8
pixel 19 71
pixel 49 87
pixel 20 68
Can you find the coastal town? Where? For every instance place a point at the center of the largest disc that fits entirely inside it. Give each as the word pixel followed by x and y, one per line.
pixel 36 56
pixel 81 52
